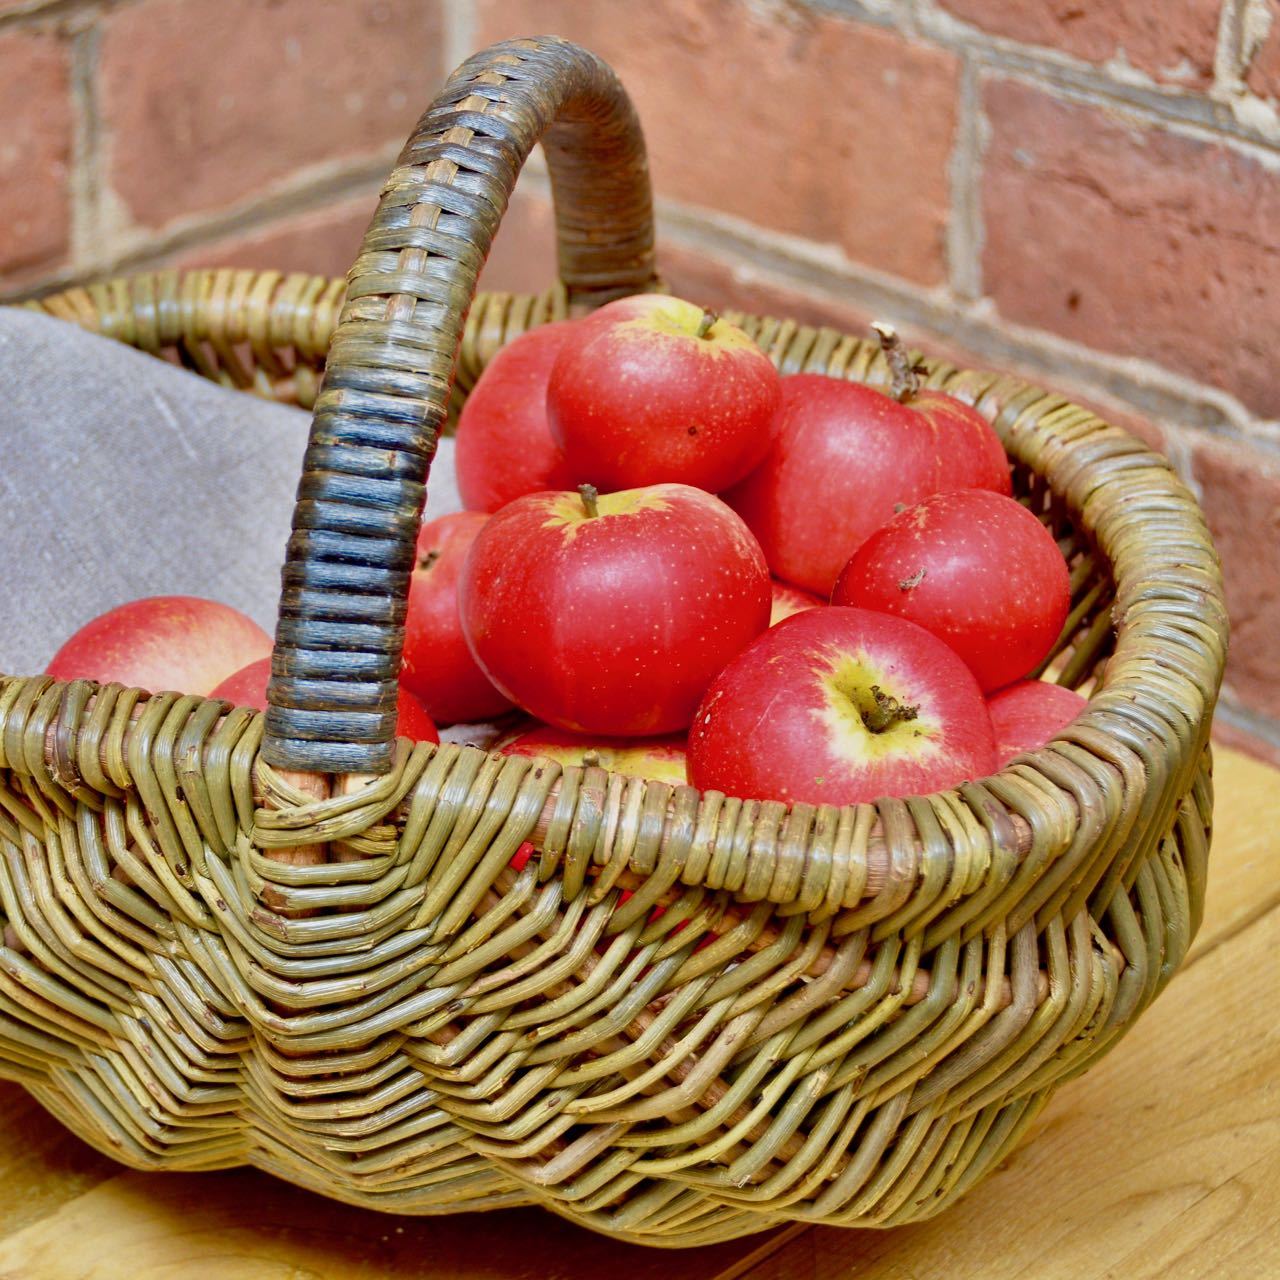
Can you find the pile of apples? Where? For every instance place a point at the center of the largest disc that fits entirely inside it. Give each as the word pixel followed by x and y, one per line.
pixel 679 565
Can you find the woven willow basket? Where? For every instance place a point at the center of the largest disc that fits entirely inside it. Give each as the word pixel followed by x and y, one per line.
pixel 314 956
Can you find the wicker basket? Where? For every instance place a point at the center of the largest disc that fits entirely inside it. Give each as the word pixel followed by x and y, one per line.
pixel 843 1015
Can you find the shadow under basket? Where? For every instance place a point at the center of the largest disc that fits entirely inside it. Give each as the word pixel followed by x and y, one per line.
pixel 293 942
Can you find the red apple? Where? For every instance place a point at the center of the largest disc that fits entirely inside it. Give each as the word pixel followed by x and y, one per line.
pixel 413 720
pixel 650 389
pixel 610 615
pixel 973 457
pixel 976 569
pixel 438 667
pixel 1027 714
pixel 248 688
pixel 789 600
pixel 661 759
pixel 838 706
pixel 504 447
pixel 162 643
pixel 844 458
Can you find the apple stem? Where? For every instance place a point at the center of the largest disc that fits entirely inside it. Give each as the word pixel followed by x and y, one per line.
pixel 429 559
pixel 706 324
pixel 906 375
pixel 589 496
pixel 887 711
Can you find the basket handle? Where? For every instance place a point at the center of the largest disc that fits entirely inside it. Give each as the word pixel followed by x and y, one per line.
pixel 390 367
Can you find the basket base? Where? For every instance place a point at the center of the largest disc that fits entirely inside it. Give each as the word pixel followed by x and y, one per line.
pixel 657 1213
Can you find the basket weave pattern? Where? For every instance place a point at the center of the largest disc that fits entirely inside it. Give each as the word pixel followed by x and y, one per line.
pixel 841 1015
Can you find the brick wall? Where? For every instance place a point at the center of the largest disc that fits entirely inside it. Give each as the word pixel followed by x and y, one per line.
pixel 1086 192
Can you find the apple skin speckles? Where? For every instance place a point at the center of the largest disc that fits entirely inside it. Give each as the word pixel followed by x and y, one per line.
pixel 637 396
pixel 438 667
pixel 618 629
pixel 504 445
pixel 844 456
pixel 792 717
pixel 1027 714
pixel 160 643
pixel 976 569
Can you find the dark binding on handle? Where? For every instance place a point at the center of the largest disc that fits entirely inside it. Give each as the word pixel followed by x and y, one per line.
pixel 390 366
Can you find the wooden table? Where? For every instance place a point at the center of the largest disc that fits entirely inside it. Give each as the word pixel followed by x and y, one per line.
pixel 1164 1162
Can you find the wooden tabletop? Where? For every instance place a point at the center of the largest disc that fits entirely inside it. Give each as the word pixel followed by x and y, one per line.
pixel 1164 1161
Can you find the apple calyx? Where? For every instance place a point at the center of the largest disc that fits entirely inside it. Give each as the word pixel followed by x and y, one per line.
pixel 589 494
pixel 706 324
pixel 905 372
pixel 886 712
pixel 429 559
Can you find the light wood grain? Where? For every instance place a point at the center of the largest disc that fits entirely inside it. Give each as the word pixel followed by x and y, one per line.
pixel 246 1226
pixel 42 1165
pixel 1229 1234
pixel 1162 1162
pixel 1244 859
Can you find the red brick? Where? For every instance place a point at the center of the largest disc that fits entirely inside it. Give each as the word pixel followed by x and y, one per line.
pixel 35 154
pixel 798 121
pixel 523 259
pixel 736 286
pixel 204 104
pixel 1263 74
pixel 1133 240
pixel 1172 41
pixel 325 242
pixel 322 242
pixel 1241 499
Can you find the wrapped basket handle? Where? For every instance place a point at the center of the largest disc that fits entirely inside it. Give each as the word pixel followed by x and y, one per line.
pixel 390 366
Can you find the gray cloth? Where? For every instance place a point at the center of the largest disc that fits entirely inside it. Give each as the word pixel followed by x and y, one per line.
pixel 124 476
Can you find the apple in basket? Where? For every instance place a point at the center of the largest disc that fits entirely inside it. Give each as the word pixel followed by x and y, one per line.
pixel 248 688
pixel 839 706
pixel 162 643
pixel 438 667
pixel 651 390
pixel 610 614
pixel 1027 714
pixel 660 759
pixel 503 447
pixel 788 600
pixel 975 568
pixel 845 457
